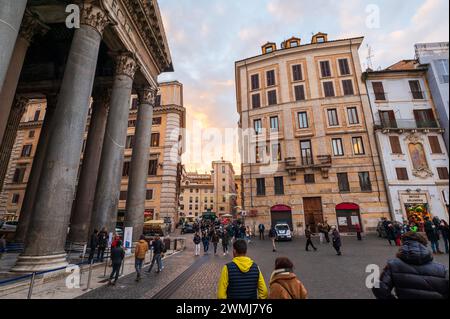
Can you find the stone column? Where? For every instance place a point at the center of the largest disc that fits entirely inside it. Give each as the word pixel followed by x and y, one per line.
pixel 46 236
pixel 137 184
pixel 11 14
pixel 84 201
pixel 6 146
pixel 30 26
pixel 110 173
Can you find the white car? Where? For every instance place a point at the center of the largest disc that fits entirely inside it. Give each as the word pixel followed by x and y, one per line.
pixel 9 226
pixel 283 232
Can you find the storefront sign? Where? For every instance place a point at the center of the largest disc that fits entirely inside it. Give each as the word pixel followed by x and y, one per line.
pixel 342 221
pixel 415 199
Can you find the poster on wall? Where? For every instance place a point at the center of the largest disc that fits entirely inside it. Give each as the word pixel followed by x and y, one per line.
pixel 128 239
pixel 355 220
pixel 342 221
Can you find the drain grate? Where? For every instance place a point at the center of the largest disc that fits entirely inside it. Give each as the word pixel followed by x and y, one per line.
pixel 174 285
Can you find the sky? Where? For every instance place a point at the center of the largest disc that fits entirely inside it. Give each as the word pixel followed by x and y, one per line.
pixel 206 37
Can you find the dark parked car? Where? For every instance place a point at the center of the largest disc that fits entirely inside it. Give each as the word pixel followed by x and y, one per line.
pixel 381 230
pixel 187 229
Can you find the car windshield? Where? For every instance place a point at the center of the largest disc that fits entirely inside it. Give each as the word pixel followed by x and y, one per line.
pixel 282 227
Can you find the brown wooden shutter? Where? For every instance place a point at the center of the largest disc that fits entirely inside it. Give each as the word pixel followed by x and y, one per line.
pixel 435 146
pixel 442 172
pixel 402 174
pixel 395 145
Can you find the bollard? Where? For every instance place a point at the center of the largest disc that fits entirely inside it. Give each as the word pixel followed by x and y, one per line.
pixel 89 275
pixel 30 291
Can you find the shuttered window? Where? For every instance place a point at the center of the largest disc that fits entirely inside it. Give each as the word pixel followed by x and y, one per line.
pixel 325 69
pixel 402 174
pixel 343 184
pixel 328 89
pixel 434 144
pixel 299 92
pixel 347 86
pixel 255 81
pixel 395 145
pixel 344 67
pixel 260 187
pixel 256 101
pixel 443 173
pixel 270 78
pixel 378 89
pixel 297 72
pixel 279 185
pixel 272 97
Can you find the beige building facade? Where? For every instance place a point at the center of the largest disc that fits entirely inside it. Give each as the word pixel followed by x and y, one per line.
pixel 308 149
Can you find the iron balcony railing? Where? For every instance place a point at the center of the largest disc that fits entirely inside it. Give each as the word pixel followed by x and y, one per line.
pixel 407 124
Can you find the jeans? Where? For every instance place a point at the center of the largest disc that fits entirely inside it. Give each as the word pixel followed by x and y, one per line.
pixel 225 247
pixel 321 237
pixel 327 237
pixel 197 249
pixel 157 259
pixel 215 248
pixel 138 266
pixel 446 244
pixel 261 235
pixel 115 272
pixel 101 253
pixel 205 246
pixel 435 246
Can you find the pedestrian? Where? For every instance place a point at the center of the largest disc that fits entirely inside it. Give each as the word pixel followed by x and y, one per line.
pixel 273 237
pixel 158 249
pixel 139 256
pixel 241 278
pixel 326 230
pixel 321 233
pixel 443 227
pixel 116 239
pixel 2 245
pixel 336 238
pixel 102 244
pixel 225 242
pixel 308 235
pixel 248 234
pixel 205 242
pixel 358 231
pixel 261 229
pixel 197 240
pixel 432 235
pixel 284 284
pixel 117 256
pixel 390 232
pixel 93 244
pixel 215 241
pixel 413 274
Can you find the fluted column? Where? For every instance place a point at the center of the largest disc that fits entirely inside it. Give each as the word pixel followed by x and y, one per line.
pixel 30 26
pixel 46 236
pixel 6 146
pixel 38 162
pixel 110 173
pixel 11 14
pixel 84 200
pixel 137 184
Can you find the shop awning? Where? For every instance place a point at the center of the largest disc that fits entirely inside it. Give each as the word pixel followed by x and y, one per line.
pixel 347 206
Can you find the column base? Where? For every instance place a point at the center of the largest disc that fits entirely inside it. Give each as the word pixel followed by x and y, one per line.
pixel 29 264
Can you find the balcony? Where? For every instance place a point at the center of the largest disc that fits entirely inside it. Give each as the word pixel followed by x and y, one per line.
pixel 407 125
pixel 320 162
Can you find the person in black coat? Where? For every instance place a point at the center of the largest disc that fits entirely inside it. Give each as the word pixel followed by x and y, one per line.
pixel 102 244
pixel 117 256
pixel 336 239
pixel 433 235
pixel 413 274
pixel 93 244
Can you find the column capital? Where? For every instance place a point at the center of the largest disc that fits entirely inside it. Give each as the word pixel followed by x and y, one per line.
pixel 147 95
pixel 20 103
pixel 31 25
pixel 126 64
pixel 91 14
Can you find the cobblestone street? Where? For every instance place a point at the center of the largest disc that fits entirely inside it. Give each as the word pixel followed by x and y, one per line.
pixel 325 275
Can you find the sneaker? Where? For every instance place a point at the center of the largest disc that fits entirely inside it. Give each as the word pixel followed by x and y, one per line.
pixel 224 254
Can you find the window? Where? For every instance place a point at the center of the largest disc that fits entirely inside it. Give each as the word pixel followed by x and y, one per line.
pixel 416 90
pixel 279 185
pixel 31 134
pixel 310 179
pixel 37 114
pixel 259 154
pixel 332 117
pixel 126 169
pixel 303 120
pixel 388 119
pixel 155 140
pixel 344 67
pixel 443 173
pixel 358 146
pixel 156 121
pixel 293 44
pixel 434 144
pixel 272 97
pixel 347 85
pixel 276 152
pixel 364 182
pixel 320 39
pixel 153 168
pixel 123 195
pixel 149 194
pixel 255 82
pixel 19 174
pixel 297 72
pixel 328 89
pixel 299 91
pixel 442 70
pixel 270 78
pixel 378 89
pixel 256 101
pixel 425 118
pixel 274 124
pixel 260 187
pixel 352 114
pixel 402 174
pixel 257 124
pixel 15 199
pixel 395 144
pixel 325 69
pixel 338 148
pixel 306 152
pixel 343 184
pixel 129 142
pixel 26 150
pixel 134 104
pixel 131 123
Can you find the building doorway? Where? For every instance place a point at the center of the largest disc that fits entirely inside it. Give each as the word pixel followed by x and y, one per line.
pixel 281 214
pixel 348 216
pixel 312 207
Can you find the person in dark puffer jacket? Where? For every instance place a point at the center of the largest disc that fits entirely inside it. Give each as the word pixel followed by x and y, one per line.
pixel 413 274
